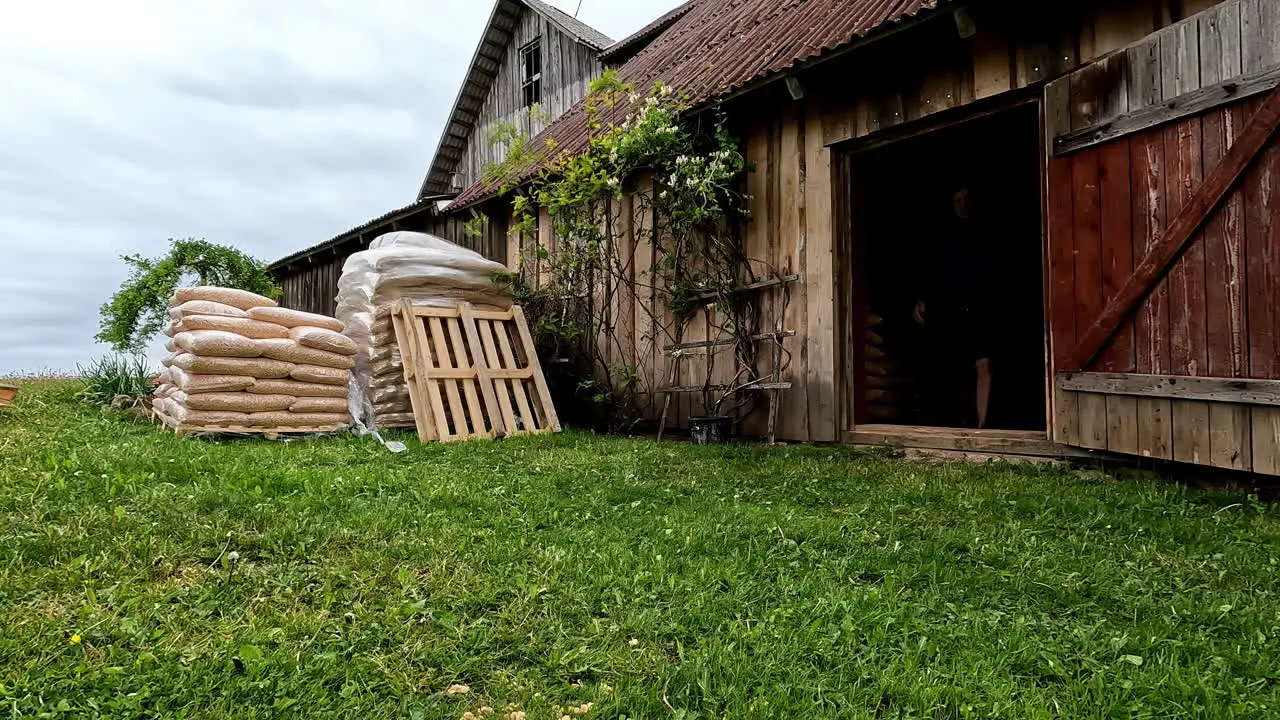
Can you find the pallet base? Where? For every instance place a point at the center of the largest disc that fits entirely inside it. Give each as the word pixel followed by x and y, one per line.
pixel 182 430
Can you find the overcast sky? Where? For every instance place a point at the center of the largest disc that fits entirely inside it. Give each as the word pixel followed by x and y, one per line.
pixel 270 126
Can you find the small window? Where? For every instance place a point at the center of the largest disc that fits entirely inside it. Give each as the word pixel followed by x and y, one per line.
pixel 531 72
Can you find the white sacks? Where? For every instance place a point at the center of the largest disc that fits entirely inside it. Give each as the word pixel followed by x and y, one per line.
pixel 240 363
pixel 428 271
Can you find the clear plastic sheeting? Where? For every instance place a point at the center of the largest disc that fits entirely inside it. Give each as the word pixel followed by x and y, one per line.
pixel 426 269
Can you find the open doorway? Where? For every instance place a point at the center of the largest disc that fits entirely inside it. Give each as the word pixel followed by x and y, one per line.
pixel 951 276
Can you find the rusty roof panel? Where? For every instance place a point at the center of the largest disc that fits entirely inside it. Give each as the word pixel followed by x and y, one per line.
pixel 633 43
pixel 718 47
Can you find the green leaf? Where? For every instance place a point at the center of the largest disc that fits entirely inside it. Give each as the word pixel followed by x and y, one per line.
pixel 250 653
pixel 1131 659
pixel 139 310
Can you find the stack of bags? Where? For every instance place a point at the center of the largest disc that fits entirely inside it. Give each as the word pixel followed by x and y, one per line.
pixel 428 271
pixel 239 361
pixel 383 383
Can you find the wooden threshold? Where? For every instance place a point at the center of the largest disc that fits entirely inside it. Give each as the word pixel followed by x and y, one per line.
pixel 990 442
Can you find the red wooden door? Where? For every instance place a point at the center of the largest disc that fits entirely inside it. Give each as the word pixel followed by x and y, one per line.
pixel 1164 244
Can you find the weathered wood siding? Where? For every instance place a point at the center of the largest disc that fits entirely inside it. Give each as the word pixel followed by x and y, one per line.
pixel 1016 45
pixel 789 234
pixel 800 222
pixel 567 69
pixel 1214 315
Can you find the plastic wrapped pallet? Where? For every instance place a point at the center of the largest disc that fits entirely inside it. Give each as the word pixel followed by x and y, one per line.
pixel 237 366
pixel 428 271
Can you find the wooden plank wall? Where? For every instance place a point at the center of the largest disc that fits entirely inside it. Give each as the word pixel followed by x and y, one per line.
pixel 794 192
pixel 790 233
pixel 1014 47
pixel 568 67
pixel 1214 315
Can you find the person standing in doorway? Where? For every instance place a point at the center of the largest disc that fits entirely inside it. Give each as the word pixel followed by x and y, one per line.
pixel 958 311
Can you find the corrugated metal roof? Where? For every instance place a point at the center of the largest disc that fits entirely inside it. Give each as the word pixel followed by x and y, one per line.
pixel 485 64
pixel 583 32
pixel 635 41
pixel 412 208
pixel 721 46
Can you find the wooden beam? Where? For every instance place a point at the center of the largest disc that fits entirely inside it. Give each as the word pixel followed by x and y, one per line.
pixel 722 388
pixel 1182 106
pixel 1225 390
pixel 1001 442
pixel 721 343
pixel 763 284
pixel 1164 253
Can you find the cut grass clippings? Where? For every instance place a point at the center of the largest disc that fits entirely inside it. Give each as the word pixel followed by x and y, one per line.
pixel 144 575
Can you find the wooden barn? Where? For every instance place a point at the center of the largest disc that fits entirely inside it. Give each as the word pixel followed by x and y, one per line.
pixel 1119 163
pixel 533 63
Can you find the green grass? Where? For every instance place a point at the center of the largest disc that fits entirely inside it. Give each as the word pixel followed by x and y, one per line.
pixel 652 580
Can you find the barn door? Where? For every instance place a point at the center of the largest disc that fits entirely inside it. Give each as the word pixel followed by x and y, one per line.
pixel 1164 244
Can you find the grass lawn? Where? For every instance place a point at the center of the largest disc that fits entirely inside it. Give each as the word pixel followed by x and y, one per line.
pixel 650 580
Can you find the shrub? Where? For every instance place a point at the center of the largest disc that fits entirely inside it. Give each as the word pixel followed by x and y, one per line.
pixel 117 381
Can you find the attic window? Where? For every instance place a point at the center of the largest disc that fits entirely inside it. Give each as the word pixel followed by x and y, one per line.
pixel 531 72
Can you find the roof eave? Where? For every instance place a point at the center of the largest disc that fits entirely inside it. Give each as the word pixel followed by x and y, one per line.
pixel 462 91
pixel 418 206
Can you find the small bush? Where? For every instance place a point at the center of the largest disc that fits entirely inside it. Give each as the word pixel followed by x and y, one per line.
pixel 118 381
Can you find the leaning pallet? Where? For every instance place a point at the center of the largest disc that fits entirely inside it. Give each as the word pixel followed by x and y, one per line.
pixel 472 373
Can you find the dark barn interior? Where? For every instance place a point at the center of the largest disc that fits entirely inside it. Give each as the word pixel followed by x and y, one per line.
pixel 980 278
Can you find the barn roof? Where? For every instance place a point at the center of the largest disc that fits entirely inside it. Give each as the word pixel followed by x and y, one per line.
pixel 635 42
pixel 412 209
pixel 485 65
pixel 576 29
pixel 717 48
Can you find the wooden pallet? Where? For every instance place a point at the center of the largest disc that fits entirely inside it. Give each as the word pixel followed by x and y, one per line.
pixel 472 373
pixel 7 394
pixel 182 430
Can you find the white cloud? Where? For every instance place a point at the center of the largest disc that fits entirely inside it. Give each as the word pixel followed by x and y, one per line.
pixel 267 125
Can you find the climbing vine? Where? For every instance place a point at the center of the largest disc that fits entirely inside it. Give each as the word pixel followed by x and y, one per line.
pixel 650 171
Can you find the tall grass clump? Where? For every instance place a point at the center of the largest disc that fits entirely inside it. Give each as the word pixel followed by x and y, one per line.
pixel 118 381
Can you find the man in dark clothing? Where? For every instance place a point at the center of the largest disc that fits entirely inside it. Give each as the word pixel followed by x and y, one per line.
pixel 958 309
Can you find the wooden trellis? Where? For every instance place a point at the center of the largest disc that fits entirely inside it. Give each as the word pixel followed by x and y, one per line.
pixel 771 383
pixel 472 373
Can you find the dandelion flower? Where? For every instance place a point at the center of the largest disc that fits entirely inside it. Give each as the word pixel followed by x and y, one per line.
pixel 233 556
pixel 75 639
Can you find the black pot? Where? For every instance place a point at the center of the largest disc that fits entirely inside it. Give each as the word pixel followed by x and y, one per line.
pixel 710 430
